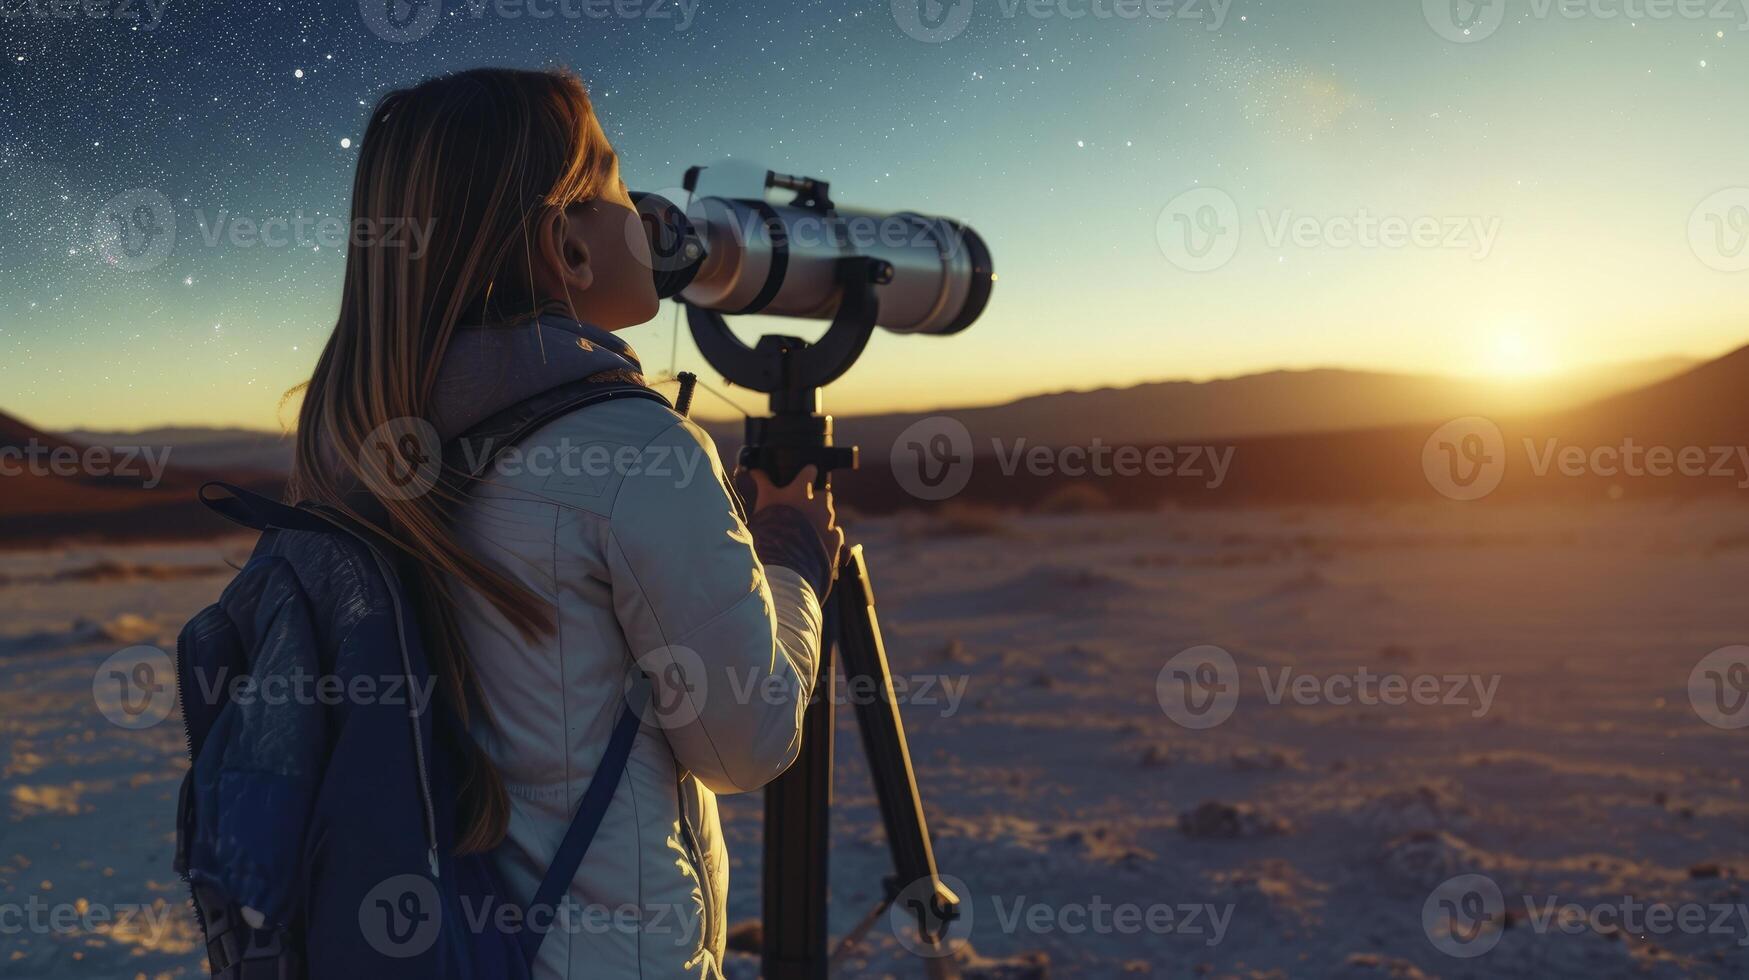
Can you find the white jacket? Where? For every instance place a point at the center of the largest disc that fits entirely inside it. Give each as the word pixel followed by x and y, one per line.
pixel 618 515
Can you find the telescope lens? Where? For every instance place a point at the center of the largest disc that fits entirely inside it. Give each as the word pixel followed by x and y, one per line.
pixel 676 249
pixel 979 276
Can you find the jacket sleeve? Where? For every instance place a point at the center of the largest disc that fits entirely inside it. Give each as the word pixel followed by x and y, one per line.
pixel 730 645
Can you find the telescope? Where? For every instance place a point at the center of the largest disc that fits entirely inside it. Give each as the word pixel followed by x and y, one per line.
pixel 732 251
pixel 737 255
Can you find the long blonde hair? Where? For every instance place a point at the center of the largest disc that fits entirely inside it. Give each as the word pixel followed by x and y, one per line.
pixel 477 159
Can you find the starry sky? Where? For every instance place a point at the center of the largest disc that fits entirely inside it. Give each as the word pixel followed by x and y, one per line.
pixel 1576 178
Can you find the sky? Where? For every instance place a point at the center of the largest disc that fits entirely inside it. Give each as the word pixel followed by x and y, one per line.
pixel 1169 188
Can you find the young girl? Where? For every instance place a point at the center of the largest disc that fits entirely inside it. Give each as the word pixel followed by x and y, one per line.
pixel 609 544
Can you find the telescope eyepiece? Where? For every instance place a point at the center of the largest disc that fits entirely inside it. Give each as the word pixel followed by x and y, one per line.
pixel 676 248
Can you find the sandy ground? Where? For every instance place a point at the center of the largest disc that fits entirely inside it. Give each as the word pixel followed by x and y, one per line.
pixel 1558 756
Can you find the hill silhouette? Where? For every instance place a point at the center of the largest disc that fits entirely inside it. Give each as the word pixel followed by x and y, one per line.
pixel 1271 403
pixel 52 489
pixel 1286 437
pixel 1699 412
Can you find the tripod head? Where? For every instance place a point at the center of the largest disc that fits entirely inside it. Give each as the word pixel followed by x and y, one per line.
pixel 792 371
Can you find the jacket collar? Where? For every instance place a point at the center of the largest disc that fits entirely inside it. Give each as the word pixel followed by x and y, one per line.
pixel 489 369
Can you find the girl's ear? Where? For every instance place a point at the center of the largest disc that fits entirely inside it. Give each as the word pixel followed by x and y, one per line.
pixel 578 267
pixel 564 255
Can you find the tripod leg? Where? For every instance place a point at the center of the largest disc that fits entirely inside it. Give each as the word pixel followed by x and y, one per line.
pixel 798 836
pixel 870 681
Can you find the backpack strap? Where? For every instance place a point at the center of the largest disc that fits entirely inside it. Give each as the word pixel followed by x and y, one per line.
pixel 473 452
pixel 586 822
pixel 252 510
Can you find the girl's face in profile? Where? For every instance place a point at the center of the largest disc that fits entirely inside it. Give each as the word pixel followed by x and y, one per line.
pixel 596 257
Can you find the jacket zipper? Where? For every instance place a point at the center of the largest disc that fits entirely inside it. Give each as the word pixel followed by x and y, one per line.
pixel 704 873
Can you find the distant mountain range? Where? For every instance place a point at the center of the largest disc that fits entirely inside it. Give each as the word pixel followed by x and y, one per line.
pixel 1309 436
pixel 54 488
pixel 1273 403
pixel 223 450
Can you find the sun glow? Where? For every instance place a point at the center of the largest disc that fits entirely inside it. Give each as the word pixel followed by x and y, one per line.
pixel 1516 349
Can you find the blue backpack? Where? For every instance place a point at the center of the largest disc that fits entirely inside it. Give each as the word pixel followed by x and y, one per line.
pixel 320 792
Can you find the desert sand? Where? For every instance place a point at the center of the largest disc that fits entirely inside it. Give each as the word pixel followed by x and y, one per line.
pixel 1563 759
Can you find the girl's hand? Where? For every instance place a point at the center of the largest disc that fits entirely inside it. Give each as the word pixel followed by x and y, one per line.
pixel 800 495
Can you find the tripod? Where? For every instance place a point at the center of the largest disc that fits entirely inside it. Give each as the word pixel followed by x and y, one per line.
pixel 798 803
